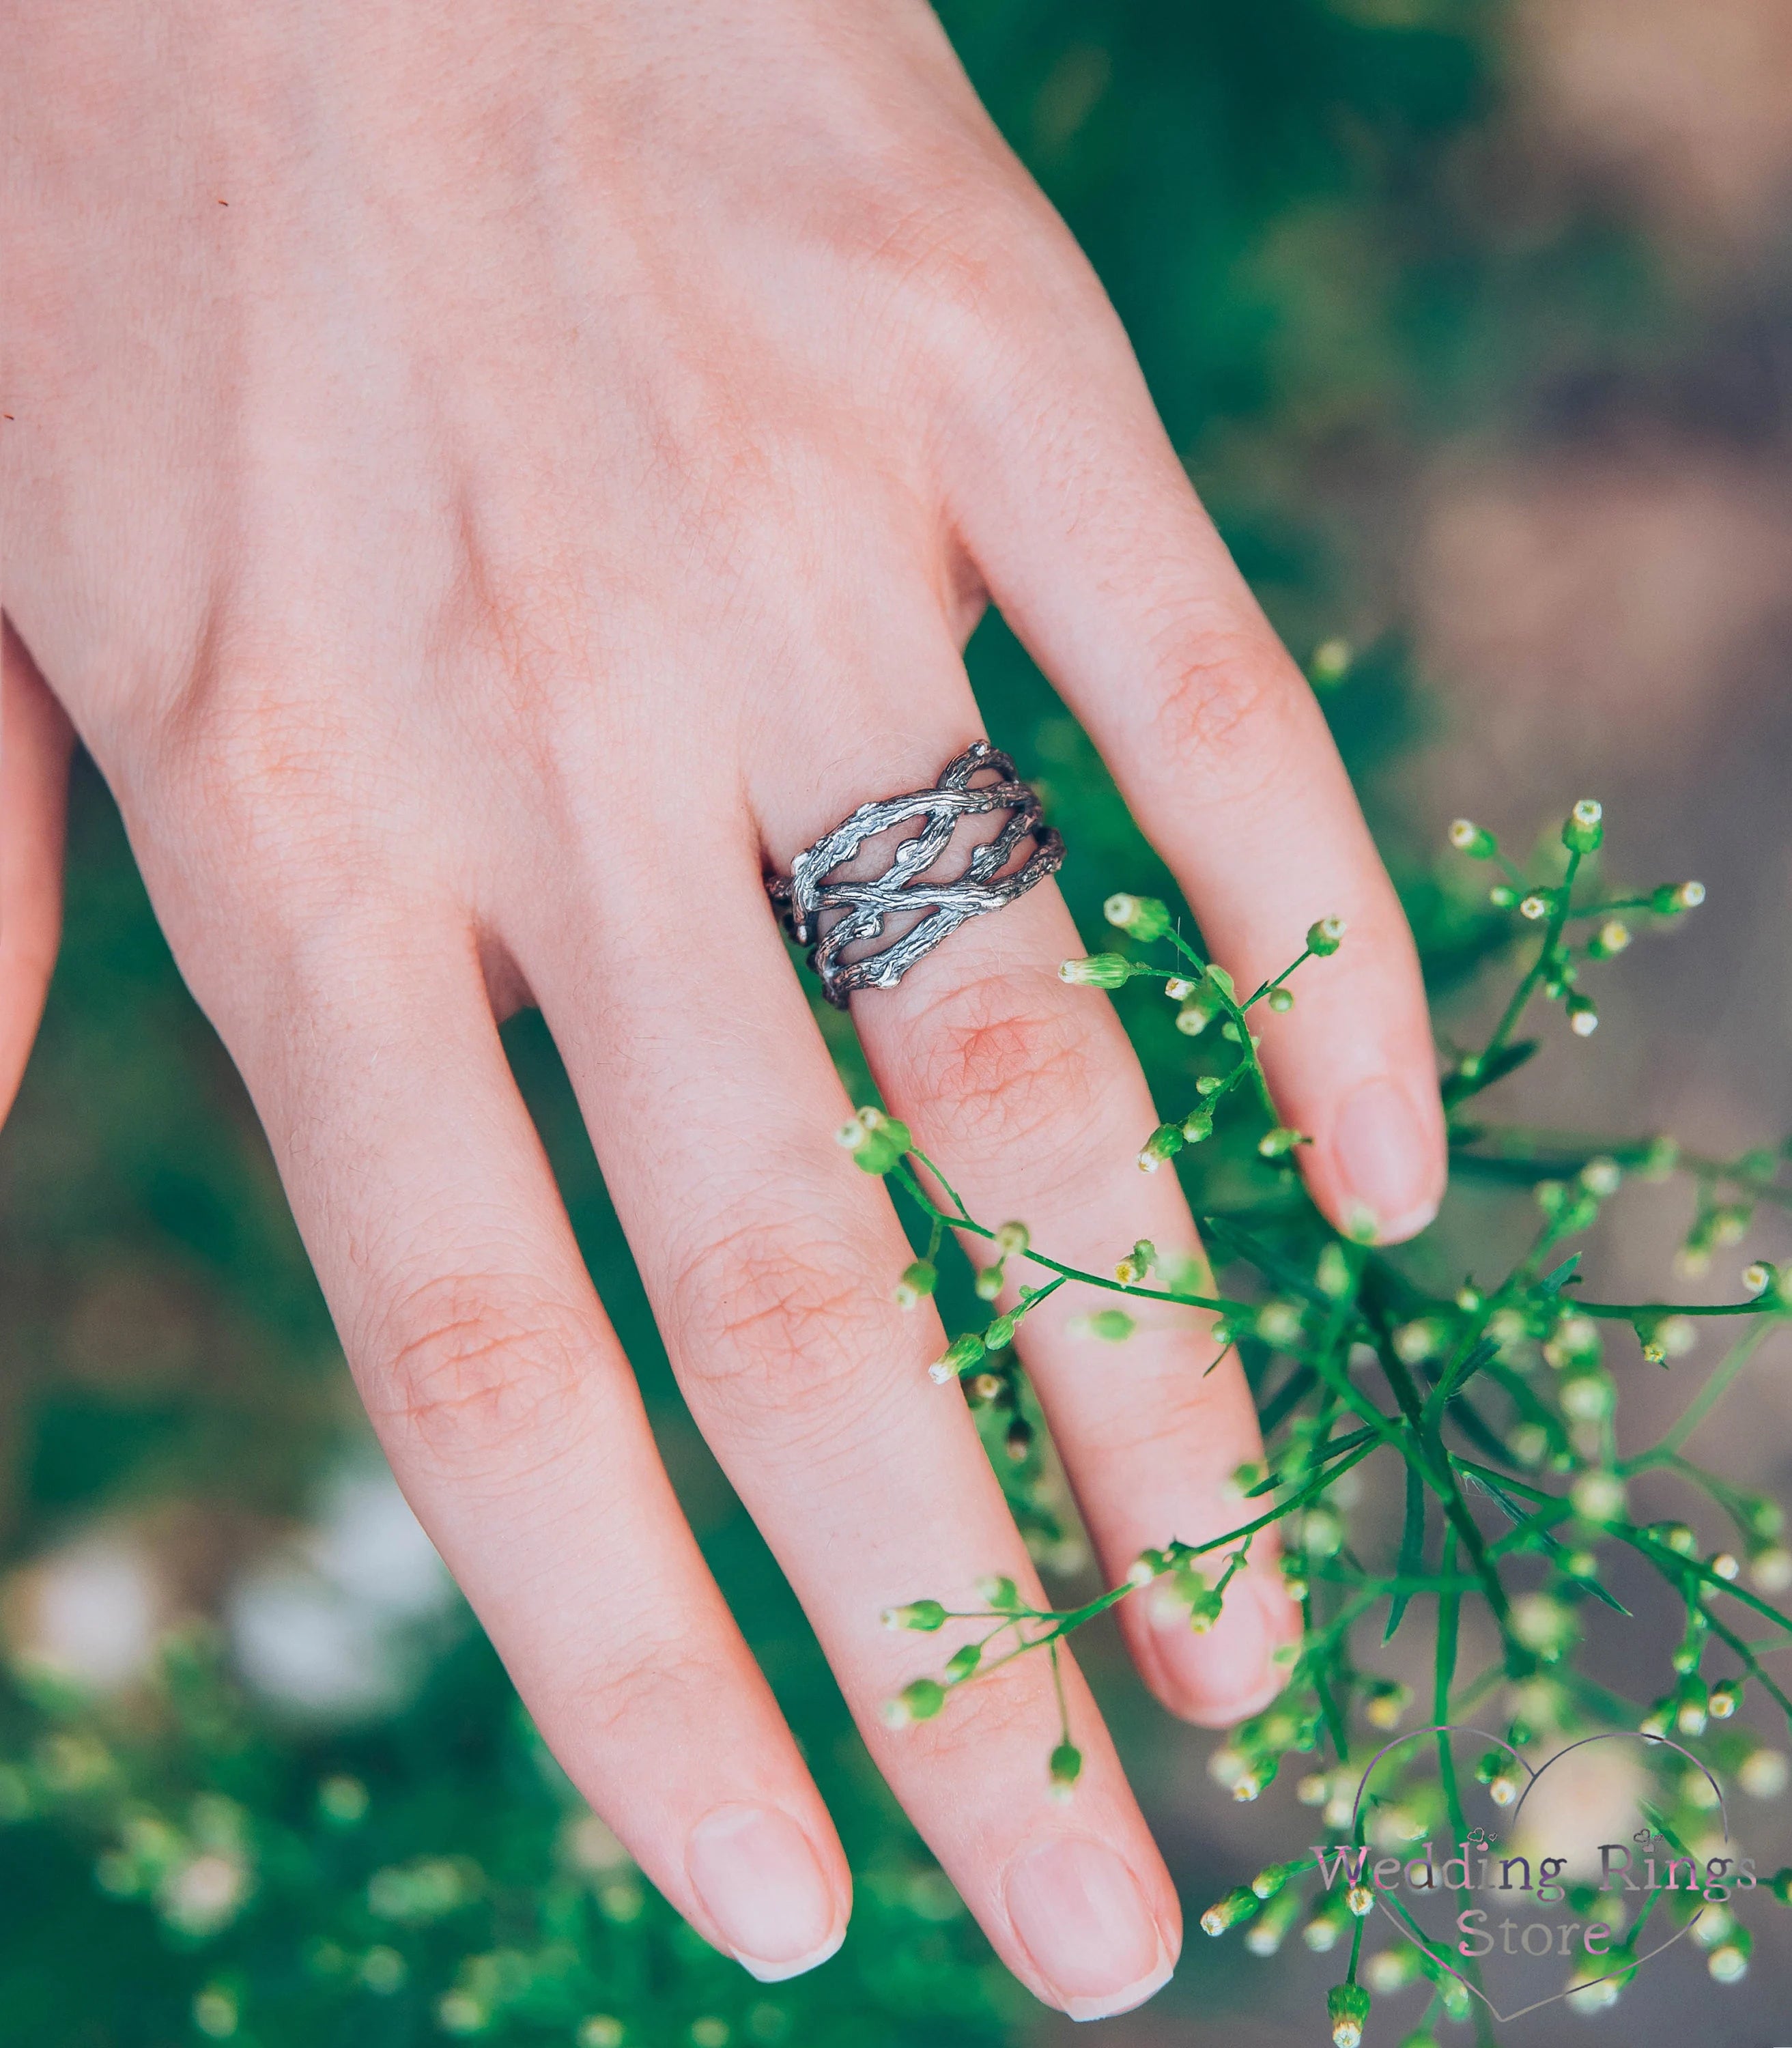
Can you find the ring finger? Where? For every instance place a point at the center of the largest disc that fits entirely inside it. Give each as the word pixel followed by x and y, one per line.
pixel 1030 1096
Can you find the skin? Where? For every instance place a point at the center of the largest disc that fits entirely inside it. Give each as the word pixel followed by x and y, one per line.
pixel 485 484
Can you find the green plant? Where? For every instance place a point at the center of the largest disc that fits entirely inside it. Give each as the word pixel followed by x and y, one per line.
pixel 1497 1399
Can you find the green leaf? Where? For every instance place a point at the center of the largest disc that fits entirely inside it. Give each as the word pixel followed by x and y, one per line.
pixel 1550 1542
pixel 1552 1283
pixel 1461 1087
pixel 1412 1548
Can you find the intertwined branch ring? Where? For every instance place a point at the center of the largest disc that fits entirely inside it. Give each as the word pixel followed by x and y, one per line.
pixel 828 915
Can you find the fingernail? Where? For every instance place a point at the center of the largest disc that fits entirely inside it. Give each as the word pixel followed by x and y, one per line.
pixel 1387 1162
pixel 761 1884
pixel 1225 1674
pixel 1081 1916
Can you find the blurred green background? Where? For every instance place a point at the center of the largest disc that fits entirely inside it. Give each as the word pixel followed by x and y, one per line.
pixel 264 1780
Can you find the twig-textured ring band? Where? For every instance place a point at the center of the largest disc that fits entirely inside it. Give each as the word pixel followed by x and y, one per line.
pixel 829 916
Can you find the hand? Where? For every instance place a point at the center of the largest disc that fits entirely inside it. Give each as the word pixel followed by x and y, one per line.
pixel 487 481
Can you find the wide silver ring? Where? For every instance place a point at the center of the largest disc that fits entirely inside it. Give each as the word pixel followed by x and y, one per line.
pixel 830 916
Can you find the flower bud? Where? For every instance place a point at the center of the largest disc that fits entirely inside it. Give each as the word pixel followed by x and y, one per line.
pixel 1018 1439
pixel 918 1281
pixel 1611 939
pixel 1196 1125
pixel 1346 2010
pixel 1583 831
pixel 1278 1323
pixel 1762 1517
pixel 1415 1342
pixel 1204 1608
pixel 1000 1593
pixel 1164 1143
pixel 1063 1770
pixel 1693 1708
pixel 1325 935
pixel 962 1662
pixel 989 1280
pixel 1672 898
pixel 1136 1263
pixel 1332 1275
pixel 876 1142
pixel 1543 1625
pixel 919 1700
pixel 1473 840
pixel 1385 1702
pixel 1281 1001
pixel 1265 1935
pixel 1763 1774
pixel 1726 1696
pixel 1392 1969
pixel 1583 1014
pixel 1589 1397
pixel 926 1615
pixel 1011 1239
pixel 1097 971
pixel 1194 1017
pixel 1276 1144
pixel 1331 662
pixel 1598 1496
pixel 1771 1569
pixel 1143 916
pixel 1238 1904
pixel 1326 1922
pixel 1251 1785
pixel 1113 1326
pixel 961 1354
pixel 1503 896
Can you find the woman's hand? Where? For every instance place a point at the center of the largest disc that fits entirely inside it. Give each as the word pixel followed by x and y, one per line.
pixel 485 482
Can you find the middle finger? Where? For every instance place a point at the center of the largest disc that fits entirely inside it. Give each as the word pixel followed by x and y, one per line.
pixel 769 1257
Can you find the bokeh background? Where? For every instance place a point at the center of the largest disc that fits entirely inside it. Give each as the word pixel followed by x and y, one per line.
pixel 1474 323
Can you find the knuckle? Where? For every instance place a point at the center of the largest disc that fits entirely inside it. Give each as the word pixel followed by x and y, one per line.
pixel 1018 1064
pixel 946 251
pixel 479 1375
pixel 1174 1406
pixel 654 1677
pixel 776 1315
pixel 1222 708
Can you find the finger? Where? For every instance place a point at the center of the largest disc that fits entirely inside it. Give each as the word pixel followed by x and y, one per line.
pixel 1082 523
pixel 514 1427
pixel 1030 1096
pixel 769 1258
pixel 35 744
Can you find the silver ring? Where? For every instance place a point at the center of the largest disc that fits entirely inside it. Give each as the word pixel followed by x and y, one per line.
pixel 828 916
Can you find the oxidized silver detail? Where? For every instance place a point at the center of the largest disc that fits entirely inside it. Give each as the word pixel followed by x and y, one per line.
pixel 828 916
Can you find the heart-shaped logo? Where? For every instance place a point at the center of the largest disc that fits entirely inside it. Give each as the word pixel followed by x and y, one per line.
pixel 1646 1862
